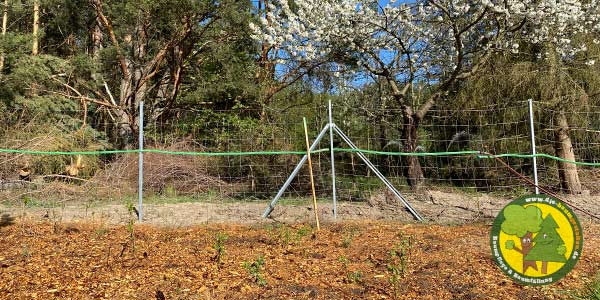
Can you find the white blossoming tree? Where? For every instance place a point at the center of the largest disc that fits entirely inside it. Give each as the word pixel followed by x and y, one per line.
pixel 435 44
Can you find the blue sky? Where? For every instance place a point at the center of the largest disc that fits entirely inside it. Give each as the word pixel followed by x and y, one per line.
pixel 359 80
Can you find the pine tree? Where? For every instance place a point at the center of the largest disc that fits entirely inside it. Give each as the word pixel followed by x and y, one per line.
pixel 549 246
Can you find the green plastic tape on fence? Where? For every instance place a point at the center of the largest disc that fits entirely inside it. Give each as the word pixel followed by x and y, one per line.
pixel 104 152
pixel 237 153
pixel 407 153
pixel 32 152
pixel 514 155
pixel 230 153
pixel 456 153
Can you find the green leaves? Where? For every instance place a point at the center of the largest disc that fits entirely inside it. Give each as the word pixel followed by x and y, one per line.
pixel 254 269
pixel 219 246
pixel 519 220
pixel 510 244
pixel 41 70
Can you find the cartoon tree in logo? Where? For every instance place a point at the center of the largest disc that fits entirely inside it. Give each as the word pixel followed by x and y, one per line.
pixel 549 246
pixel 522 222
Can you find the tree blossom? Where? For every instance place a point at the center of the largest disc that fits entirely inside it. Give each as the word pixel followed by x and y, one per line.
pixel 435 40
pixel 433 43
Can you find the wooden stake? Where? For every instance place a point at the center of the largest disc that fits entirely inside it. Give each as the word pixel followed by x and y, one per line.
pixel 312 181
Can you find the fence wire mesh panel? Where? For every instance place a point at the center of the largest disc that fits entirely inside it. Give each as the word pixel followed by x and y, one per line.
pixel 244 155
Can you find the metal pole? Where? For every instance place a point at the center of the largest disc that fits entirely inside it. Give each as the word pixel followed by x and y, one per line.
pixel 294 173
pixel 332 161
pixel 141 161
pixel 535 173
pixel 378 174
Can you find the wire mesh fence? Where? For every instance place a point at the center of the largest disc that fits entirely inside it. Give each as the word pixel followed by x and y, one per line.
pixel 246 155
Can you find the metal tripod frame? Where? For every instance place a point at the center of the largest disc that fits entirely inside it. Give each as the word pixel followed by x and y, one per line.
pixel 331 127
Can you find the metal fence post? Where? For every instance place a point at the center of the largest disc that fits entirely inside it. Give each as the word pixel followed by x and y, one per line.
pixel 141 162
pixel 332 161
pixel 535 174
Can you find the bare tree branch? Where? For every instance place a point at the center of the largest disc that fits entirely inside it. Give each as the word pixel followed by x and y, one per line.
pixel 97 4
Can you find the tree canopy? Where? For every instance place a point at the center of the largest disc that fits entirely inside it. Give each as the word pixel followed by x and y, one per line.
pixel 210 70
pixel 520 220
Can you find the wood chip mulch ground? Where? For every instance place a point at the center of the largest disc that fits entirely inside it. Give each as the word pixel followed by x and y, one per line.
pixel 370 260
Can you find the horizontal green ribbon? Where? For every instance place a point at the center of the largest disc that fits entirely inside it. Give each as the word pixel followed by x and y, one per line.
pixel 478 154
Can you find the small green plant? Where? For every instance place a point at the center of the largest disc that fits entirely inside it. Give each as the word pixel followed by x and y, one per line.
pixel 26 200
pixel 219 246
pixel 348 237
pixel 133 213
pixel 284 235
pixel 254 269
pixel 590 292
pixel 400 255
pixel 351 276
pixel 399 259
pixel 302 232
pixel 25 252
pixel 344 260
pixel 101 232
pixel 355 277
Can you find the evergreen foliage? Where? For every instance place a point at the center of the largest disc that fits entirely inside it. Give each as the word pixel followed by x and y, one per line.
pixel 201 72
pixel 549 246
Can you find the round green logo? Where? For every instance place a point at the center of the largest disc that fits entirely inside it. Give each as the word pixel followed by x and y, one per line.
pixel 536 240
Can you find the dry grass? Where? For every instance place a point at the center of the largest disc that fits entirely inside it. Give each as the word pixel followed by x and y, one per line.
pixel 46 137
pixel 180 174
pixel 589 179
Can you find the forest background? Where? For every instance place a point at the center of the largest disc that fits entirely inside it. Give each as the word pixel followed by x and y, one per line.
pixel 73 73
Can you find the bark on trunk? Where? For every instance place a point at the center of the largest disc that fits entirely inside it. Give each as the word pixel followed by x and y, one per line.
pixel 96 39
pixel 412 167
pixel 124 129
pixel 4 25
pixel 569 178
pixel 139 69
pixel 133 87
pixel 266 70
pixel 36 26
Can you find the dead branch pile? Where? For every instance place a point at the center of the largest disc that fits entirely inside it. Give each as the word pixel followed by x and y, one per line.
pixel 47 137
pixel 164 173
pixel 589 179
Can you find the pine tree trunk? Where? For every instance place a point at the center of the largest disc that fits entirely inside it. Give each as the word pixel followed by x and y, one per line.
pixel 266 70
pixel 96 39
pixel 133 88
pixel 124 130
pixel 36 27
pixel 4 25
pixel 569 178
pixel 412 166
